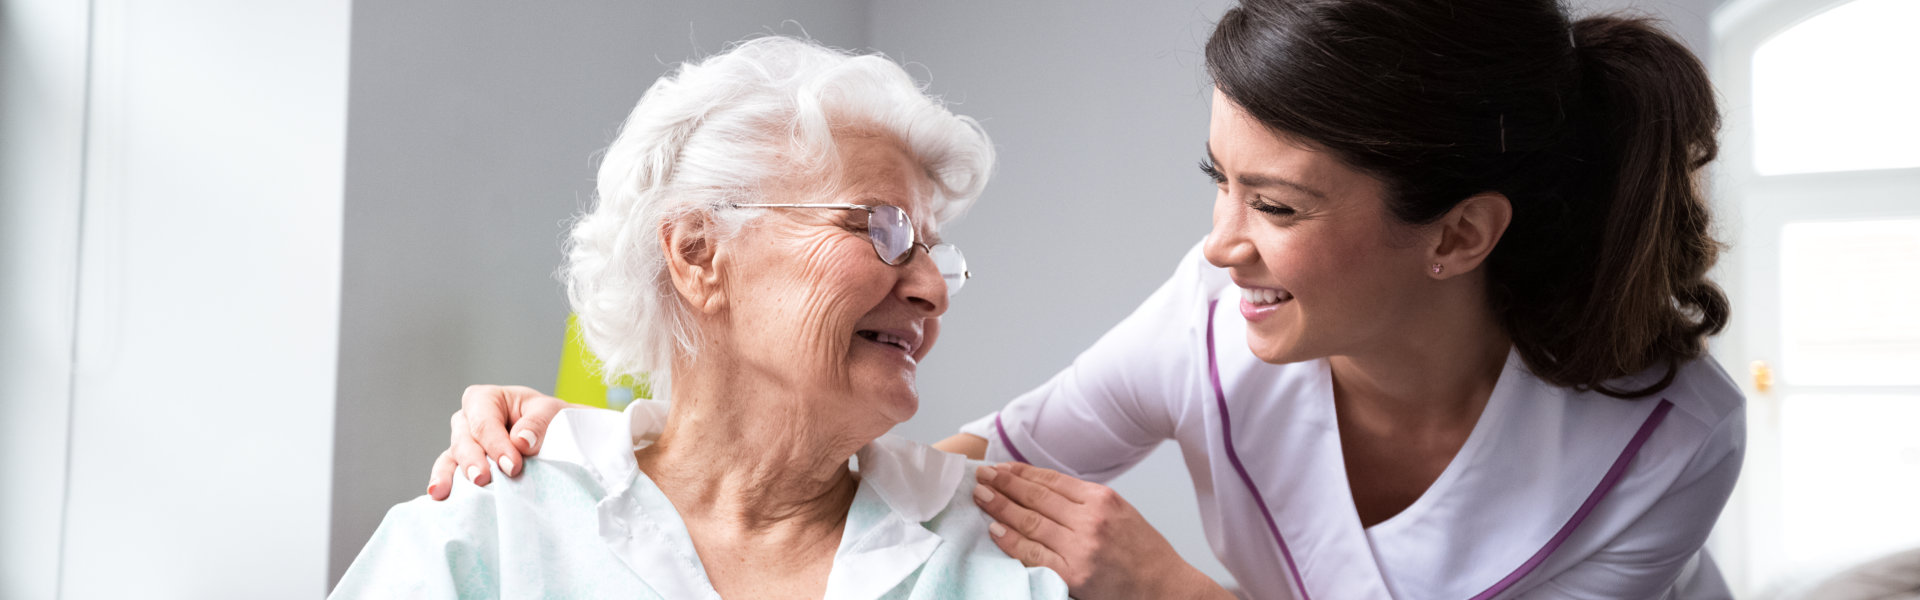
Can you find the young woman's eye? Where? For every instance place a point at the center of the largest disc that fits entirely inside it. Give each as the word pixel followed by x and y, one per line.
pixel 1206 167
pixel 1270 208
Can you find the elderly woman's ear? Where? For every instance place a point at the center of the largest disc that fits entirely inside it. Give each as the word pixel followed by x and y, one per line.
pixel 690 252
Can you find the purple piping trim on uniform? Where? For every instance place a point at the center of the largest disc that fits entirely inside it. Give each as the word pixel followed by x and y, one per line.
pixel 1007 442
pixel 1593 499
pixel 1226 430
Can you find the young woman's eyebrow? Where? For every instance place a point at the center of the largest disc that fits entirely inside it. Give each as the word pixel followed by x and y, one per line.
pixel 1266 181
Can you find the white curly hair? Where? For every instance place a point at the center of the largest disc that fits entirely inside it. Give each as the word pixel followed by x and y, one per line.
pixel 722 130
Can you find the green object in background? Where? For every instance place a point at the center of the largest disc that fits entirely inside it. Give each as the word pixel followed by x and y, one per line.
pixel 580 381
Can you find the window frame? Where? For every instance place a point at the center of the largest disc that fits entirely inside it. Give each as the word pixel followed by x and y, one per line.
pixel 1753 211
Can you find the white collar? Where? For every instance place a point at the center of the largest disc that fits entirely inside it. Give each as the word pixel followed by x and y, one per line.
pixel 913 482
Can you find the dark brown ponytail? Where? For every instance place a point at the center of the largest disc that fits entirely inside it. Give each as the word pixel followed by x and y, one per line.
pixel 1595 130
pixel 1656 122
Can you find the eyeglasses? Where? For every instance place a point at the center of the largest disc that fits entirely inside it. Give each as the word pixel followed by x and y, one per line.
pixel 894 239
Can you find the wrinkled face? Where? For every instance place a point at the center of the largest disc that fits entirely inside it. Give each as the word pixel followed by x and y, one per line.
pixel 812 307
pixel 1324 269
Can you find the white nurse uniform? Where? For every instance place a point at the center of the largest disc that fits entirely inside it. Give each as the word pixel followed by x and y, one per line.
pixel 1555 494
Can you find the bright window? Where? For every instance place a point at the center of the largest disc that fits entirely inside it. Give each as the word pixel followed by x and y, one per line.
pixel 1850 302
pixel 1840 91
pixel 1821 198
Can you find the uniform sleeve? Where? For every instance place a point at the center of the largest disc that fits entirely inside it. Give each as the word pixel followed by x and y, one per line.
pixel 1648 557
pixel 1119 399
pixel 425 549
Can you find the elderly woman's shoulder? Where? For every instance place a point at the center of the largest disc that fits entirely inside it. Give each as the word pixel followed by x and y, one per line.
pixel 964 524
pixel 935 489
pixel 961 514
pixel 459 546
pixel 471 509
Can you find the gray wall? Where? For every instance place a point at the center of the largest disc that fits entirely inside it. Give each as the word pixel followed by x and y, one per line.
pixel 474 130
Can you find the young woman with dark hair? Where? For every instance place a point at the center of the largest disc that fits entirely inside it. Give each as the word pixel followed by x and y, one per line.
pixel 1465 244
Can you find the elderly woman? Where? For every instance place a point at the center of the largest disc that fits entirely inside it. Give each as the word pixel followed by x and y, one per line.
pixel 766 247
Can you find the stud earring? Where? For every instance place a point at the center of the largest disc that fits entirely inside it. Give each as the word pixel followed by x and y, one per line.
pixel 1437 268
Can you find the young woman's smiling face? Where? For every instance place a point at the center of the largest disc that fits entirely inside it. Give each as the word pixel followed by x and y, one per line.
pixel 1324 269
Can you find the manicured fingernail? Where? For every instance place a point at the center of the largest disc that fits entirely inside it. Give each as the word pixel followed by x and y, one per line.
pixel 472 472
pixel 532 441
pixel 981 493
pixel 995 528
pixel 506 464
pixel 432 484
pixel 985 473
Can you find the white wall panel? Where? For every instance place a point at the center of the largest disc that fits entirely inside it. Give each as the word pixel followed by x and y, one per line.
pixel 203 404
pixel 43 56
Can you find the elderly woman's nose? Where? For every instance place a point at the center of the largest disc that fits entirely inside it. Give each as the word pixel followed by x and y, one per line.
pixel 921 285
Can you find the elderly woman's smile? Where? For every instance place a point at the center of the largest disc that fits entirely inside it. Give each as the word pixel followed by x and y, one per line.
pixel 893 339
pixel 809 306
